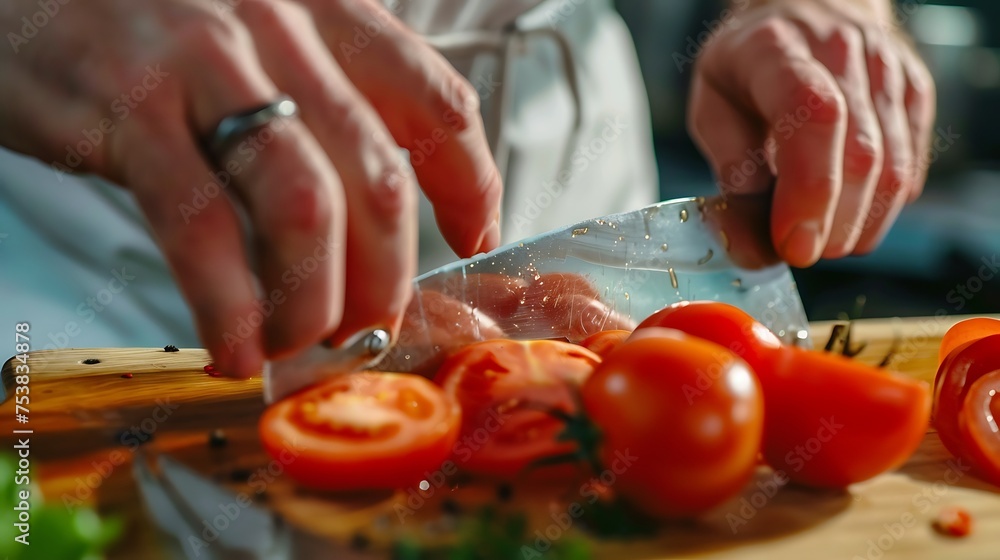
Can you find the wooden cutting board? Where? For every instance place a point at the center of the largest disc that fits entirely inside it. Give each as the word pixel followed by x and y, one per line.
pixel 88 420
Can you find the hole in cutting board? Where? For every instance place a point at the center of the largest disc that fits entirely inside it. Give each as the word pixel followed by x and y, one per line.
pixel 91 361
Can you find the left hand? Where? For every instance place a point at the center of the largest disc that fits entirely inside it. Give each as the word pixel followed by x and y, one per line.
pixel 826 101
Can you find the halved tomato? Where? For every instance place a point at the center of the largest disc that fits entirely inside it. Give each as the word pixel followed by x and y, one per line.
pixel 504 388
pixel 362 431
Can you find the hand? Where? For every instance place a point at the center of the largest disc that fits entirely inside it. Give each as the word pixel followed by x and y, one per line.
pixel 126 90
pixel 828 103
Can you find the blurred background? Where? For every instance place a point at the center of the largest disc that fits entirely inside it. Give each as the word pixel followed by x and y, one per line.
pixel 938 255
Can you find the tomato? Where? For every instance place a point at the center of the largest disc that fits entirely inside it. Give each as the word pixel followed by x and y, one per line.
pixel 978 424
pixel 967 331
pixel 503 387
pixel 832 421
pixel 953 521
pixel 677 446
pixel 960 369
pixel 722 324
pixel 362 431
pixel 962 404
pixel 604 342
pixel 829 420
pixel 557 300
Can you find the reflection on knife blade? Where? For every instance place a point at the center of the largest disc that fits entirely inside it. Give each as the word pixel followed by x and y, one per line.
pixel 602 274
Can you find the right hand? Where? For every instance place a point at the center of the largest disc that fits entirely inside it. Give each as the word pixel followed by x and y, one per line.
pixel 162 74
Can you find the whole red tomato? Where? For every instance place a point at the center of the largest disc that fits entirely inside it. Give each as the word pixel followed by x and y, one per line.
pixel 721 323
pixel 677 448
pixel 829 420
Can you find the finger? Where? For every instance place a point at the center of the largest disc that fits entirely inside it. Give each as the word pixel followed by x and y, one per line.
pixel 807 116
pixel 895 184
pixel 204 246
pixel 437 119
pixel 734 145
pixel 841 49
pixel 292 194
pixel 921 100
pixel 380 192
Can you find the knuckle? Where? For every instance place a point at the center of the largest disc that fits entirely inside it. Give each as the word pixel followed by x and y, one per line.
pixel 299 207
pixel 773 32
pixel 847 39
pixel 211 38
pixel 275 14
pixel 392 193
pixel 862 156
pixel 824 101
pixel 452 94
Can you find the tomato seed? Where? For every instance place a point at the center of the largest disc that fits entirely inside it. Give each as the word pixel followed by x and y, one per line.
pixel 127 375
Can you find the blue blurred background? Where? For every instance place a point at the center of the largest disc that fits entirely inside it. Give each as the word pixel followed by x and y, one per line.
pixel 940 242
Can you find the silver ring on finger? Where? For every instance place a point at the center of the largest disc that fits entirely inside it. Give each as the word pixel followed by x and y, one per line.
pixel 232 129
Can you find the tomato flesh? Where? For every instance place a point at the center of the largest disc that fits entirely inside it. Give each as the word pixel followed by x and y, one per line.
pixel 504 387
pixel 678 445
pixel 362 431
pixel 978 425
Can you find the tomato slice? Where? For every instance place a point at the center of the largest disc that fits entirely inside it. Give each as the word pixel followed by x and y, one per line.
pixel 955 376
pixel 501 385
pixel 362 431
pixel 978 425
pixel 966 331
pixel 604 342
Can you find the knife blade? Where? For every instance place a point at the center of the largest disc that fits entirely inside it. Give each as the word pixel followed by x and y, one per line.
pixel 635 262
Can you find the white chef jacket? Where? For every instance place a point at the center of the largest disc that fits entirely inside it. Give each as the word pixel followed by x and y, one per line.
pixel 565 112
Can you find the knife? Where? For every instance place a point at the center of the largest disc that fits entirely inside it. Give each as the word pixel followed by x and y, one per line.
pixel 715 248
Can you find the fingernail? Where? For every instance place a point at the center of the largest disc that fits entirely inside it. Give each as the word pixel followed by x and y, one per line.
pixel 491 238
pixel 803 246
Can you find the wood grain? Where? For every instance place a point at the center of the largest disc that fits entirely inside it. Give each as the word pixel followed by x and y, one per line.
pixel 83 416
